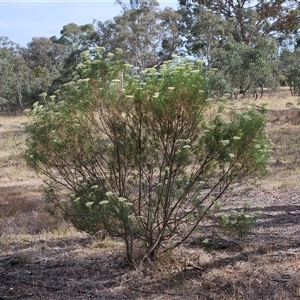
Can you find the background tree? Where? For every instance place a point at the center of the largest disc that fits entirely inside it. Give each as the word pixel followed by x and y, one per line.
pixel 290 61
pixel 73 40
pixel 243 42
pixel 202 30
pixel 147 34
pixel 15 75
pixel 77 37
pixel 143 161
pixel 252 19
pixel 249 68
pixel 45 58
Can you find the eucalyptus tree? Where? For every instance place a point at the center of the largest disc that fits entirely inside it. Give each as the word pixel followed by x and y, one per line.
pixel 250 19
pixel 290 61
pixel 147 35
pixel 249 68
pixel 73 39
pixel 45 58
pixel 202 30
pixel 16 78
pixel 77 37
pixel 240 38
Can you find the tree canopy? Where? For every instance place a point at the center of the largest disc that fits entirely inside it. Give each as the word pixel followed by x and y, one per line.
pixel 147 34
pixel 15 75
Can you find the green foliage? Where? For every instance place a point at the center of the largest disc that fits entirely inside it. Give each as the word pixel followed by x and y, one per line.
pixel 140 159
pixel 73 40
pixel 202 29
pixel 15 75
pixel 45 58
pixel 242 39
pixel 249 68
pixel 246 21
pixel 238 222
pixel 290 65
pixel 149 34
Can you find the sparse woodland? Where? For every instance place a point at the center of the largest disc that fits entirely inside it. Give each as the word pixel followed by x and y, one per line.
pixel 254 45
pixel 156 156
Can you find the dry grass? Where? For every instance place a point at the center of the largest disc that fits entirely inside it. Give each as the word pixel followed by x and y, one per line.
pixel 21 205
pixel 12 143
pixel 274 100
pixel 44 258
pixel 279 100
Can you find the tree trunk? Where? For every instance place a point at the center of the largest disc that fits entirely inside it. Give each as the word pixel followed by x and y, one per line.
pixel 129 239
pixel 20 96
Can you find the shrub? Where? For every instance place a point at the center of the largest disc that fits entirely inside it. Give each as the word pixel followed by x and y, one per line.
pixel 143 160
pixel 237 223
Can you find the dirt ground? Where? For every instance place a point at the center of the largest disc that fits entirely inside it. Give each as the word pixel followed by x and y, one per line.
pixel 264 265
pixel 42 258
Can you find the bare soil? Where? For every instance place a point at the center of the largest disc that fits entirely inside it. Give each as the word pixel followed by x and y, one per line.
pixel 44 258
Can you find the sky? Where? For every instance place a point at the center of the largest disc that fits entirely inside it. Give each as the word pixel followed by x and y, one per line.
pixel 21 21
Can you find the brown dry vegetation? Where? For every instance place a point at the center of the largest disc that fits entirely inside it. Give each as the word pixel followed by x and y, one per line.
pixel 45 258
